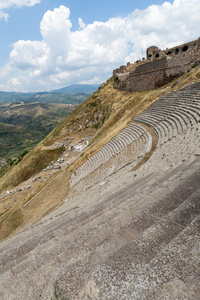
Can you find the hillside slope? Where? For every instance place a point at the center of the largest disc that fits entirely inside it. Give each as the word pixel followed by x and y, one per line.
pixel 23 125
pixel 129 226
pixel 101 117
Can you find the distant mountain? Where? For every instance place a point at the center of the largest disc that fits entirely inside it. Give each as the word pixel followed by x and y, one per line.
pixel 75 88
pixel 6 97
pixel 53 97
pixel 75 93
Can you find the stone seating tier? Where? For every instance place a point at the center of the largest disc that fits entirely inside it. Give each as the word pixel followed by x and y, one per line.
pixel 134 242
pixel 172 113
pixel 132 133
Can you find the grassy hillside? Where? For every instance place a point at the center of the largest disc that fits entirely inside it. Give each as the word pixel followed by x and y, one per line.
pixel 22 126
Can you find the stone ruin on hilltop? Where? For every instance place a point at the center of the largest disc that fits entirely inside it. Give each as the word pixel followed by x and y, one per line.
pixel 159 68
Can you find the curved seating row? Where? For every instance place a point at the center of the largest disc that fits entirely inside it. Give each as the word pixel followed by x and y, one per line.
pixel 132 139
pixel 173 113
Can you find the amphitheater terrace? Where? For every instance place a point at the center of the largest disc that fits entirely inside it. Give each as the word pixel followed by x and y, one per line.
pixel 129 226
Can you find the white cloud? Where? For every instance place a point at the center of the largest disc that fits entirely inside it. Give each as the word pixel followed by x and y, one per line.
pixel 4 15
pixel 14 81
pixel 55 29
pixel 29 55
pixel 91 53
pixel 81 23
pixel 5 4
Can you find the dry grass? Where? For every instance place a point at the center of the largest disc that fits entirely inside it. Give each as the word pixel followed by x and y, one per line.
pixel 10 222
pixel 31 164
pixel 33 204
pixel 48 198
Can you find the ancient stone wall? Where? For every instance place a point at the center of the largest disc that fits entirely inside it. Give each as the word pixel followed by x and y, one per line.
pixel 162 67
pixel 149 66
pixel 151 51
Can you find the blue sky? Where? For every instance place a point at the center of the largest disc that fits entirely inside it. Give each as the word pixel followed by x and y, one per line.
pixel 48 44
pixel 24 23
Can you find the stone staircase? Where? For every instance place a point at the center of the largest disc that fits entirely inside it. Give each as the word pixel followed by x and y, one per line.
pixel 131 142
pixel 136 237
pixel 104 246
pixel 173 113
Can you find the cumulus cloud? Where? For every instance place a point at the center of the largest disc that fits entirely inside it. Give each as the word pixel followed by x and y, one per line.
pixel 91 53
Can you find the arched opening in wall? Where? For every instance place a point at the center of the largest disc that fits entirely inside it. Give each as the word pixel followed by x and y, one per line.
pixel 185 48
pixel 194 44
pixel 157 55
pixel 169 52
pixel 176 51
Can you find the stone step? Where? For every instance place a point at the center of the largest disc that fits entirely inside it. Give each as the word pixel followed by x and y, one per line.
pixel 169 132
pixel 132 133
pixel 156 121
pixel 181 120
pixel 109 149
pixel 120 201
pixel 114 146
pixel 191 114
pixel 152 123
pixel 117 276
pixel 81 238
pixel 170 270
pixel 126 136
pixel 177 125
pixel 120 142
pixel 138 130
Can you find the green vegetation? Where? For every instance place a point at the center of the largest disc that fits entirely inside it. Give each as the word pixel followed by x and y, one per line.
pixel 25 125
pixel 73 98
pixel 13 97
pixel 18 159
pixel 93 104
pixel 74 94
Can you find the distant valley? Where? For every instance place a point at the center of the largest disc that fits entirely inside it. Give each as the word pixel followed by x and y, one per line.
pixel 76 93
pixel 26 118
pixel 24 125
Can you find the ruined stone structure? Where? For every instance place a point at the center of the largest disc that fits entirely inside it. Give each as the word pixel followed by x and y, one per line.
pixel 159 68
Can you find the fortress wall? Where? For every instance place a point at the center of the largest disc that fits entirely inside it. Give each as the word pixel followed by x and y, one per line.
pixel 191 55
pixel 163 68
pixel 151 66
pixel 176 71
pixel 148 81
pixel 152 79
